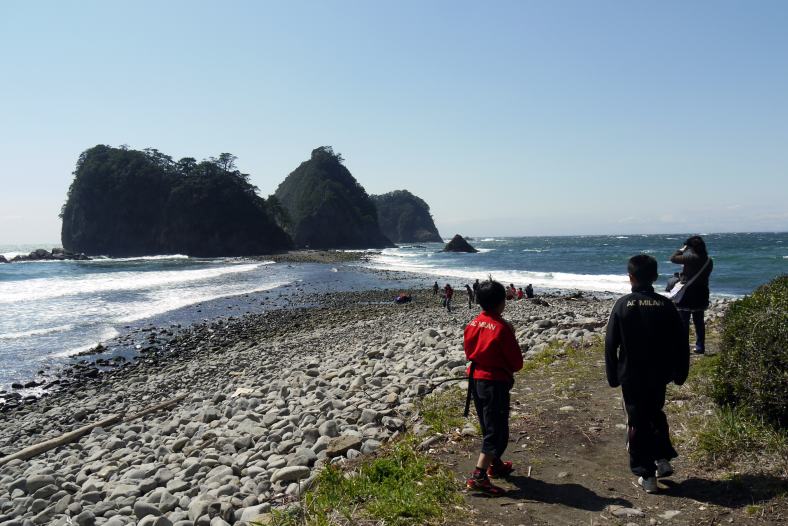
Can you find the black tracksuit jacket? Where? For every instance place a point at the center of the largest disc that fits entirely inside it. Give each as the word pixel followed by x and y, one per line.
pixel 646 343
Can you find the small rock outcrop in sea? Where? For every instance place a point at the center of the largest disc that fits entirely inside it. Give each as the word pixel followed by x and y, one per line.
pixel 458 244
pixel 126 203
pixel 57 254
pixel 405 218
pixel 327 207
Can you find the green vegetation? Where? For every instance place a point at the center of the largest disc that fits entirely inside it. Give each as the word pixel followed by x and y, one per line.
pixel 731 433
pixel 555 353
pixel 126 202
pixel 405 218
pixel 753 366
pixel 326 207
pixel 442 411
pixel 723 435
pixel 399 487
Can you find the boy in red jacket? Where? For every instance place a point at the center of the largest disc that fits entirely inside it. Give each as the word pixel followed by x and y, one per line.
pixel 492 348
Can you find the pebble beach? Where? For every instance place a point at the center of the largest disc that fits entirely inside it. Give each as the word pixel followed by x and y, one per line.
pixel 259 404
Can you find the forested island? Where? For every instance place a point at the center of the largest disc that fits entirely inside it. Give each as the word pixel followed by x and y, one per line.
pixel 405 218
pixel 125 203
pixel 326 207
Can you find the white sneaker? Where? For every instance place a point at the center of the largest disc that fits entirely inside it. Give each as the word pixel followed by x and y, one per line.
pixel 664 469
pixel 649 484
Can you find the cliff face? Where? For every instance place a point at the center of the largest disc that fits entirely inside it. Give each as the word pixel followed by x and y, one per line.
pixel 327 208
pixel 405 218
pixel 132 203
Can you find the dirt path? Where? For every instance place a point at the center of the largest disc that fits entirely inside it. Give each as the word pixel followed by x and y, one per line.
pixel 568 429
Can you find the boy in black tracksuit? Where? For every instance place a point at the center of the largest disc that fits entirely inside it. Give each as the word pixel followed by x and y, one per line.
pixel 646 347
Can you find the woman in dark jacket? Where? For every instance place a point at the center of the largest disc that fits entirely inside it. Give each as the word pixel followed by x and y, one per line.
pixel 693 299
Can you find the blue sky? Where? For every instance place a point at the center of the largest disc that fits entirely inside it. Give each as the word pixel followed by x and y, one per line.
pixel 515 118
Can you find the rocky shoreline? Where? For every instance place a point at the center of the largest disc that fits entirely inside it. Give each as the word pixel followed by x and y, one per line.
pixel 269 399
pixel 41 254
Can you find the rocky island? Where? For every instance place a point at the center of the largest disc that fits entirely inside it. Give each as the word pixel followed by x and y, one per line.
pixel 459 244
pixel 327 207
pixel 405 218
pixel 126 203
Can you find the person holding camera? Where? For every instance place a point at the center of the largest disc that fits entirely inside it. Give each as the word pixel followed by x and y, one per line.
pixel 691 293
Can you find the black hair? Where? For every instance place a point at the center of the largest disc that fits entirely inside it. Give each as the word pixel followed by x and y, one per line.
pixel 491 294
pixel 643 268
pixel 697 245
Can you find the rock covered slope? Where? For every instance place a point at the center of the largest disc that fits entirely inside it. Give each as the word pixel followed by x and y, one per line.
pixel 250 429
pixel 327 207
pixel 406 218
pixel 134 203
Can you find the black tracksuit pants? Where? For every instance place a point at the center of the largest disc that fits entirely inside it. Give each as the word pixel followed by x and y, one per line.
pixel 491 399
pixel 648 435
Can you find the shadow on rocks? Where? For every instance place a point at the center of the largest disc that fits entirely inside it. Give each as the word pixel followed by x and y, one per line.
pixel 739 491
pixel 568 494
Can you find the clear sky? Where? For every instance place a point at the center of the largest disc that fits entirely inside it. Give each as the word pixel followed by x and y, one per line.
pixel 508 118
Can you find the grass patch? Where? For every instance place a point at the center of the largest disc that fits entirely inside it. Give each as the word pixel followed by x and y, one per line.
pixel 399 487
pixel 556 352
pixel 442 411
pixel 731 433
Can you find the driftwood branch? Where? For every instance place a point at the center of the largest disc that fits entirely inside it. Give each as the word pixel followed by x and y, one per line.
pixel 73 436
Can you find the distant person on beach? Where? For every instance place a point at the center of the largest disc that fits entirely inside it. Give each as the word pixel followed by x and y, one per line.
pixel 692 298
pixel 491 347
pixel 435 289
pixel 471 296
pixel 529 291
pixel 403 298
pixel 510 292
pixel 449 293
pixel 646 349
pixel 520 293
pixel 476 290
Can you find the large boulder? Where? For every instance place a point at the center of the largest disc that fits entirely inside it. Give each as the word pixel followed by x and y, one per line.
pixel 405 218
pixel 326 207
pixel 3 259
pixel 126 203
pixel 458 244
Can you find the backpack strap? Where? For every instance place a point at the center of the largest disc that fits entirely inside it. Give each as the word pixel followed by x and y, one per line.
pixel 471 390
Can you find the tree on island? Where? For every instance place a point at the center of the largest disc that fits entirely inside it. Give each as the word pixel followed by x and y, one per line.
pixel 405 218
pixel 327 207
pixel 126 202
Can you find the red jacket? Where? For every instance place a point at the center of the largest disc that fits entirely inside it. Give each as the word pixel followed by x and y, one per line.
pixel 492 346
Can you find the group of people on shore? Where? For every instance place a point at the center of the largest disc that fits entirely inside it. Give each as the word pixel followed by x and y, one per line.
pixel 510 293
pixel 646 348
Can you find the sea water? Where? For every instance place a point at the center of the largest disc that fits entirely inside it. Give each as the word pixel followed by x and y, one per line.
pixel 742 262
pixel 52 310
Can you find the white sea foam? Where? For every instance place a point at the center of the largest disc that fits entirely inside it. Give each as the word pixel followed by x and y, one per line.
pixel 147 258
pixel 551 280
pixel 35 332
pixel 47 288
pixel 159 302
pixel 107 334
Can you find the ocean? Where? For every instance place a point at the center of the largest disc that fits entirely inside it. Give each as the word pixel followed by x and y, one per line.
pixel 54 310
pixel 595 263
